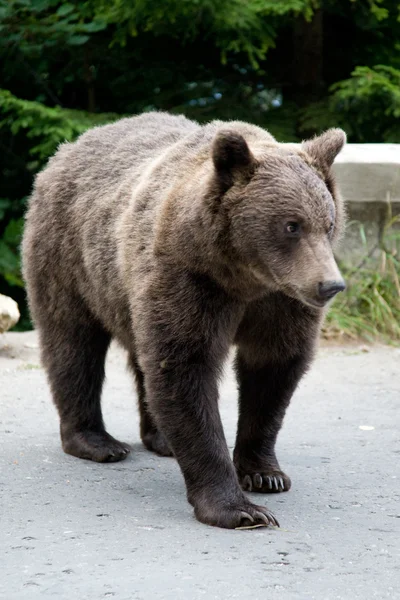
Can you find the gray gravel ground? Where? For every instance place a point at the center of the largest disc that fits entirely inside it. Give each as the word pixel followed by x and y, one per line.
pixel 71 529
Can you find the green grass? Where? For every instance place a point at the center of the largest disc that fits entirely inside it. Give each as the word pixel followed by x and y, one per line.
pixel 370 307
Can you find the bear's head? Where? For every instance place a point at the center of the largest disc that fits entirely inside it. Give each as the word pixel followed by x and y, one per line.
pixel 284 211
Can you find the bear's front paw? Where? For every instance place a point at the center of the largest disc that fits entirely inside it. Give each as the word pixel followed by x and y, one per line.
pixel 267 481
pixel 233 515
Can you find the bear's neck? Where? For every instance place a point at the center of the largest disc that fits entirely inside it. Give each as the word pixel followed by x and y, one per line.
pixel 196 236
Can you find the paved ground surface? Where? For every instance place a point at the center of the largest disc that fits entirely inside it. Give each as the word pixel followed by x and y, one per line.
pixel 74 529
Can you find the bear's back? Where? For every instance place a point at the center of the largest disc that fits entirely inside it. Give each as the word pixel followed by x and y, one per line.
pixel 99 159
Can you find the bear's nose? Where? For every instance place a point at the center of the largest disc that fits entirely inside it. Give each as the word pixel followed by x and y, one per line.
pixel 329 289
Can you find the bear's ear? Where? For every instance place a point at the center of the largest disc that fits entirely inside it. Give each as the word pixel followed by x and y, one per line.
pixel 324 148
pixel 231 157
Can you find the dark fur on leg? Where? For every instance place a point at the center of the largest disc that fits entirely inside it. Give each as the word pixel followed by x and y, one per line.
pixel 74 355
pixel 152 438
pixel 265 393
pixel 268 371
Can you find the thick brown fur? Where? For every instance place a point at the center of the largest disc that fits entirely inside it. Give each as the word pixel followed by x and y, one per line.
pixel 179 240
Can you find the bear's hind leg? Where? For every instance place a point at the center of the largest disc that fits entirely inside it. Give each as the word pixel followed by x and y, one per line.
pixel 151 436
pixel 74 355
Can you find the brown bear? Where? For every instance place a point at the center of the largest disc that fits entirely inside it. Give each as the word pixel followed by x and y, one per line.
pixel 179 240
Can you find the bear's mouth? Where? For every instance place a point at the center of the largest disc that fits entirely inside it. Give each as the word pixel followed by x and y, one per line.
pixel 313 302
pixel 310 301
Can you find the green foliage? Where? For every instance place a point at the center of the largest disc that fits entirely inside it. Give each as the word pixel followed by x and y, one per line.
pixel 47 127
pixel 9 253
pixel 370 99
pixel 367 106
pixel 35 25
pixel 370 307
pixel 233 25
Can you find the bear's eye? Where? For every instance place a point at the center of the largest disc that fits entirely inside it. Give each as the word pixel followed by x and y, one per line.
pixel 292 228
pixel 330 230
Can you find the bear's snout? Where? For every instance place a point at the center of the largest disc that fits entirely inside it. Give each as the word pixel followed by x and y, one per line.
pixel 328 289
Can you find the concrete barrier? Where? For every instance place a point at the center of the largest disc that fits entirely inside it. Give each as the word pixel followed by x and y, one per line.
pixel 369 172
pixel 369 179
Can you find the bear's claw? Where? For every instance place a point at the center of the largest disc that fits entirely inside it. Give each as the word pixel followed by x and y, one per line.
pixel 265 482
pixel 234 515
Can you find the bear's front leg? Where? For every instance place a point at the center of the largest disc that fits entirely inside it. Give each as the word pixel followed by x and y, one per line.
pixel 276 341
pixel 182 393
pixel 264 394
pixel 182 343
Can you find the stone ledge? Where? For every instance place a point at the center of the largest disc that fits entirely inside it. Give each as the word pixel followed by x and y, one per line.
pixel 369 172
pixel 369 180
